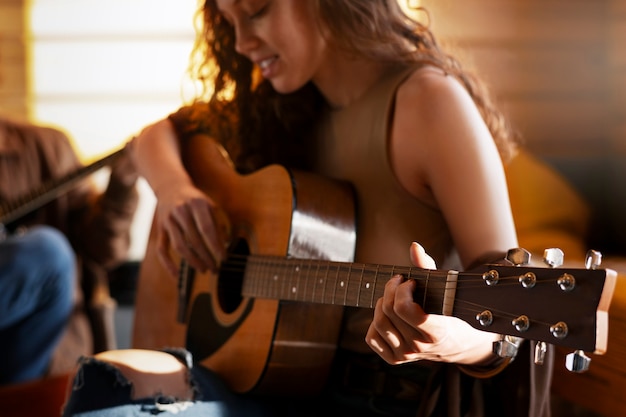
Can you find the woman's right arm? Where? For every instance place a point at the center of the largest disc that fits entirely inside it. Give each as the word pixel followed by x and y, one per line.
pixel 183 216
pixel 158 158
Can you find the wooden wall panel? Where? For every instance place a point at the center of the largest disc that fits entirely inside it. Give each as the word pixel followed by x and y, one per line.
pixel 13 82
pixel 495 21
pixel 561 127
pixel 547 62
pixel 528 71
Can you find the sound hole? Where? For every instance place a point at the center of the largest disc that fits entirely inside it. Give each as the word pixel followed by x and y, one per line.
pixel 230 278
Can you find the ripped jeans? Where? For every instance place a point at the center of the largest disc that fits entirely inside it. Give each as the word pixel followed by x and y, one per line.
pixel 100 390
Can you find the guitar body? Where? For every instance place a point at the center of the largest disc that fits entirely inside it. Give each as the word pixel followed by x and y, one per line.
pixel 256 345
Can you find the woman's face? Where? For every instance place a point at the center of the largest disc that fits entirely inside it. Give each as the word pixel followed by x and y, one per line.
pixel 281 37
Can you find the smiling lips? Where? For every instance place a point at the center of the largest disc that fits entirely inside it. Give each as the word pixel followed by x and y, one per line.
pixel 266 64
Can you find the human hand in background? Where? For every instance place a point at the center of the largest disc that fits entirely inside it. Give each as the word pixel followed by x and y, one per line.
pixel 123 169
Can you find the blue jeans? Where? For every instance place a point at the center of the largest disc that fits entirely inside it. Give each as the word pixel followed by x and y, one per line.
pixel 37 273
pixel 100 390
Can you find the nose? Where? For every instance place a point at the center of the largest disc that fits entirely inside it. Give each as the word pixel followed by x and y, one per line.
pixel 245 38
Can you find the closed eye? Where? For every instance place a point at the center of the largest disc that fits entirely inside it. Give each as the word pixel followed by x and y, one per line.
pixel 259 13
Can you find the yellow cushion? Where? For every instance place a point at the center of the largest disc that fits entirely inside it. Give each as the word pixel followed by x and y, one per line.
pixel 548 212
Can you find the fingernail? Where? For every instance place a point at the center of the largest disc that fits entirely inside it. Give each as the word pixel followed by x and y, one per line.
pixel 419 247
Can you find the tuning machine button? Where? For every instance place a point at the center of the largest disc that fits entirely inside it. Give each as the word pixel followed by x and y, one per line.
pixel 507 346
pixel 593 259
pixel 518 256
pixel 540 352
pixel 553 257
pixel 577 361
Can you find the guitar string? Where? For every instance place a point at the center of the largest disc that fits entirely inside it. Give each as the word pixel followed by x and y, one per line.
pixel 239 263
pixel 438 281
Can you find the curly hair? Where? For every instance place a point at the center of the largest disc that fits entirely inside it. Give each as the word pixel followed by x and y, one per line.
pixel 244 112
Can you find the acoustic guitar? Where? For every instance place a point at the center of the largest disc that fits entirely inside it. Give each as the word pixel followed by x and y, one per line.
pixel 268 321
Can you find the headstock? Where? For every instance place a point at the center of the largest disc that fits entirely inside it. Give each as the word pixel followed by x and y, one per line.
pixel 561 306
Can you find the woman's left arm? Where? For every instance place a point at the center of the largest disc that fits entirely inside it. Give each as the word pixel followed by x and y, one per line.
pixel 443 153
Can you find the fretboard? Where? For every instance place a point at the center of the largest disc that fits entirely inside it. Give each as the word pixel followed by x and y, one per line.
pixel 339 283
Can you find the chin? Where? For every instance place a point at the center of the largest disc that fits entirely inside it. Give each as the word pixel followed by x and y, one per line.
pixel 284 87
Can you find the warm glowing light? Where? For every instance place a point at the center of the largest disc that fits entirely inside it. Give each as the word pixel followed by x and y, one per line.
pixel 410 7
pixel 102 70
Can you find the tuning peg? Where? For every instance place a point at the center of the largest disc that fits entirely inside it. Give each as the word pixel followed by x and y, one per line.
pixel 593 259
pixel 518 256
pixel 553 257
pixel 507 346
pixel 540 352
pixel 577 361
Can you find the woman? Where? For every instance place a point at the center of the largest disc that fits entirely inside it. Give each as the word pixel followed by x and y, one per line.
pixel 354 90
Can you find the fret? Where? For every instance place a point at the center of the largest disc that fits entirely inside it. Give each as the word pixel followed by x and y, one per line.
pixel 344 283
pixel 294 280
pixel 338 288
pixel 282 280
pixel 272 282
pixel 333 283
pixel 326 278
pixel 311 274
pixel 425 292
pixel 367 286
pixel 353 286
pixel 259 270
pixel 432 288
pixel 300 293
pixel 314 283
pixel 248 287
pixel 264 285
pixel 319 282
pixel 276 279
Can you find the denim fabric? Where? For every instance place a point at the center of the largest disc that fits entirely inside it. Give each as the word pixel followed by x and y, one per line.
pixel 100 390
pixel 37 272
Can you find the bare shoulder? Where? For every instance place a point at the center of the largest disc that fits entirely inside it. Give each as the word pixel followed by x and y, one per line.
pixel 429 87
pixel 433 115
pixel 436 106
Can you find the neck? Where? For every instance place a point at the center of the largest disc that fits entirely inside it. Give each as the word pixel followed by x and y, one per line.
pixel 344 80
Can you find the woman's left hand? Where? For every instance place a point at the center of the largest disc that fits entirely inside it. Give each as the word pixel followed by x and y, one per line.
pixel 402 332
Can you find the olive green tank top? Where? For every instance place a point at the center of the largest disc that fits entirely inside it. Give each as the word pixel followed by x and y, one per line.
pixel 352 145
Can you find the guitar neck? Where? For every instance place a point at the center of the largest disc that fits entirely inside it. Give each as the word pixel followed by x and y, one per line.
pixel 341 283
pixel 494 298
pixel 50 190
